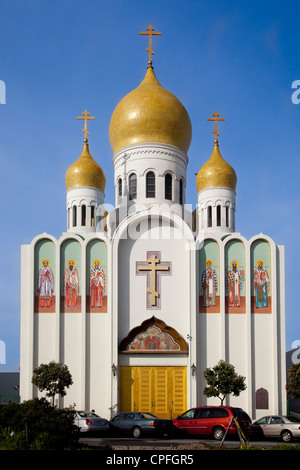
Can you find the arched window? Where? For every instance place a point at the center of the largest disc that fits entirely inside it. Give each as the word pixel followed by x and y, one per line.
pixel 181 191
pixel 83 215
pixel 74 216
pixel 132 186
pixel 219 216
pixel 227 216
pixel 93 216
pixel 209 216
pixel 150 184
pixel 168 187
pixel 120 185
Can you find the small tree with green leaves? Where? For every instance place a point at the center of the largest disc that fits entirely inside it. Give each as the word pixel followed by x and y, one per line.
pixel 53 378
pixel 293 385
pixel 222 380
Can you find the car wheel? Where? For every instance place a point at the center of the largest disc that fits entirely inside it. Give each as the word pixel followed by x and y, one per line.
pixel 136 432
pixel 286 436
pixel 218 433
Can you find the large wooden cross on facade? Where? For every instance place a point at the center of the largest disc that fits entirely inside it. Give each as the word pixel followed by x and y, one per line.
pixel 153 268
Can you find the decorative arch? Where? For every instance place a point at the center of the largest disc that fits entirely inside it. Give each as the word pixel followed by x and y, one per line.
pixel 153 336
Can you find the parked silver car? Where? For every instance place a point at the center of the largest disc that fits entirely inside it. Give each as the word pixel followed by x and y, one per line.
pixel 89 421
pixel 286 428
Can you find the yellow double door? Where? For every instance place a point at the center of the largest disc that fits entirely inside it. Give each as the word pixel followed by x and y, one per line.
pixel 159 390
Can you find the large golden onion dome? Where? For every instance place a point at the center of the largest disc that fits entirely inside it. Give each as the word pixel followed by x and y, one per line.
pixel 85 172
pixel 216 173
pixel 150 114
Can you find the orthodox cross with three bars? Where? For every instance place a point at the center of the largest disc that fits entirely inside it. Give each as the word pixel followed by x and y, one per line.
pixel 150 32
pixel 153 268
pixel 85 118
pixel 216 118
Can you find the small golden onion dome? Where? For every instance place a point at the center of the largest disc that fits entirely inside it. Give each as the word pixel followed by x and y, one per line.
pixel 85 172
pixel 216 173
pixel 150 114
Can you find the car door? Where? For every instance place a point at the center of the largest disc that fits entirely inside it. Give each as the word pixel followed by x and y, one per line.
pixel 263 423
pixel 118 422
pixel 203 421
pixel 186 422
pixel 275 426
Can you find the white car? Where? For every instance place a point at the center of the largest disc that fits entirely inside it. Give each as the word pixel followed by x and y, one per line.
pixel 89 421
pixel 286 428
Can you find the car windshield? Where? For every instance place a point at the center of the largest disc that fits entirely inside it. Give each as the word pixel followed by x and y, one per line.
pixel 293 419
pixel 88 414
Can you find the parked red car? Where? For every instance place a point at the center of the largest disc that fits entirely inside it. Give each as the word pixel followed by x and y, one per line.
pixel 212 421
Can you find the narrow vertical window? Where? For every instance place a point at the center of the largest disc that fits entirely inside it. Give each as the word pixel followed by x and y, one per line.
pixel 168 187
pixel 93 216
pixel 132 187
pixel 218 216
pixel 83 215
pixel 209 216
pixel 68 217
pixel 181 192
pixel 150 184
pixel 227 216
pixel 74 216
pixel 120 189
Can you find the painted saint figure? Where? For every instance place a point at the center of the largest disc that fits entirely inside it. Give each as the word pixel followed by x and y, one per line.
pixel 71 284
pixel 97 284
pixel 209 284
pixel 261 285
pixel 234 285
pixel 45 284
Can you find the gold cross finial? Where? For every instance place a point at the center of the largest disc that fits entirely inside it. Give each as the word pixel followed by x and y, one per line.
pixel 216 118
pixel 85 118
pixel 150 32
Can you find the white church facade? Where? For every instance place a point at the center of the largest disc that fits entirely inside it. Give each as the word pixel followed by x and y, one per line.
pixel 137 301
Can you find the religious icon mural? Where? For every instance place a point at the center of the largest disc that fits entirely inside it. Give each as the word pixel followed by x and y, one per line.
pixel 45 284
pixel 97 277
pixel 71 284
pixel 235 277
pixel 261 284
pixel 261 299
pixel 153 268
pixel 209 300
pixel 70 277
pixel 153 335
pixel 153 339
pixel 44 299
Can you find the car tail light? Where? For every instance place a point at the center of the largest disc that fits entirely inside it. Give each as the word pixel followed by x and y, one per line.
pixel 88 421
pixel 154 423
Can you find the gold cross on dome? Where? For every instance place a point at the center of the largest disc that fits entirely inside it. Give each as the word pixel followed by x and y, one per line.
pixel 216 118
pixel 150 32
pixel 85 118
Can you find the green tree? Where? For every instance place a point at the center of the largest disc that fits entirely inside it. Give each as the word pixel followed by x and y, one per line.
pixel 54 378
pixel 36 424
pixel 293 385
pixel 222 380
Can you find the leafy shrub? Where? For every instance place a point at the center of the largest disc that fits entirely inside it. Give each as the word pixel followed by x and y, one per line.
pixel 36 424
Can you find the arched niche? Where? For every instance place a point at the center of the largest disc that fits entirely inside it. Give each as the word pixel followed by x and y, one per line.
pixel 97 276
pixel 153 336
pixel 209 277
pixel 44 276
pixel 70 287
pixel 261 288
pixel 235 277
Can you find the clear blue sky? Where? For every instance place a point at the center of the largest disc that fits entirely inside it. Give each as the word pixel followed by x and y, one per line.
pixel 60 57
